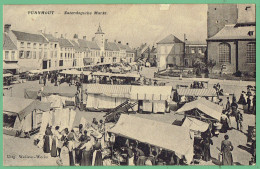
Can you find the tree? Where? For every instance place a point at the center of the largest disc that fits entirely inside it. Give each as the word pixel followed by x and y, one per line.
pixel 211 63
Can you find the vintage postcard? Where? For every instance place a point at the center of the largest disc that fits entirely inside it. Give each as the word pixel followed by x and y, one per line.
pixel 129 84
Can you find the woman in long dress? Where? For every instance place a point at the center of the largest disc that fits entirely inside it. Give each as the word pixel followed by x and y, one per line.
pixel 55 142
pixel 97 154
pixel 47 140
pixel 226 148
pixel 86 148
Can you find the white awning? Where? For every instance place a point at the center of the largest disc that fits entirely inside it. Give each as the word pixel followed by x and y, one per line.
pixel 10 66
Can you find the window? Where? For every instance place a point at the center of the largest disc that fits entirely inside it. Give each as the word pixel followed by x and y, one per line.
pixel 13 55
pixel 250 52
pixel 224 53
pixel 199 50
pixel 55 46
pixel 34 45
pixel 40 45
pixel 192 50
pixel 6 55
pixel 28 45
pixel 28 55
pixel 61 55
pixel 21 54
pixel 40 55
pixel 22 44
pixel 34 54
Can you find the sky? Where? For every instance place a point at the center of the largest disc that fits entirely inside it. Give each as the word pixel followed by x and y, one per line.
pixel 129 23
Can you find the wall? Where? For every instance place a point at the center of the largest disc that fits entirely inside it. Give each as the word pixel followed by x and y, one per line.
pixel 219 15
pixel 243 66
pixel 213 53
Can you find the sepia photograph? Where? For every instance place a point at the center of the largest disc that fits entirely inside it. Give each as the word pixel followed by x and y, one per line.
pixel 129 84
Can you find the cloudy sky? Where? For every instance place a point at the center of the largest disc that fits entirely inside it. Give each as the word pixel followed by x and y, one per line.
pixel 134 24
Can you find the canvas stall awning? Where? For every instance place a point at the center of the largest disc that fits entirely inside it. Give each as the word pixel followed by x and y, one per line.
pixel 87 61
pixel 133 75
pixel 197 92
pixel 195 124
pixel 10 66
pixel 102 74
pixel 166 136
pixel 207 107
pixel 7 75
pixel 68 91
pixel 75 72
pixel 22 107
pixel 31 93
pixel 151 92
pixel 122 91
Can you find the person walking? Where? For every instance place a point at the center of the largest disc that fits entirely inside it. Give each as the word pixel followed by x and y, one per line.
pixel 47 140
pixel 55 142
pixel 86 149
pixel 248 103
pixel 228 105
pixel 44 80
pixel 226 148
pixel 239 120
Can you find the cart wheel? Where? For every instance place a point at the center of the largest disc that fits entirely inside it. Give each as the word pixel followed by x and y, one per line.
pixel 117 116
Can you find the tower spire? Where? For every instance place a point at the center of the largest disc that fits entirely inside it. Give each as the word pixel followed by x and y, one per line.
pixel 99 31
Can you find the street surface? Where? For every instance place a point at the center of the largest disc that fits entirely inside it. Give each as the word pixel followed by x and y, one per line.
pixel 33 156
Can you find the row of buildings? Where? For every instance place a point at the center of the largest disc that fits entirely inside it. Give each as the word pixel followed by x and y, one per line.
pixel 24 51
pixel 231 41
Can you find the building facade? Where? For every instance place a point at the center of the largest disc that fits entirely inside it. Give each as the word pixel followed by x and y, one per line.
pixel 170 52
pixel 234 46
pixel 194 50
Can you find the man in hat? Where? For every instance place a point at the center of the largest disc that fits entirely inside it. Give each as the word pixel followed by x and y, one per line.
pixel 239 120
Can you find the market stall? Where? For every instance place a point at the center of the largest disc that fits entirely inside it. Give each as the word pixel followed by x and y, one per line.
pixel 166 136
pixel 22 116
pixel 154 99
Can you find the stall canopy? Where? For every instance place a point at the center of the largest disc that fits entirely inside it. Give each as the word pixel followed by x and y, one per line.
pixel 67 91
pixel 10 66
pixel 130 75
pixel 22 107
pixel 197 92
pixel 207 107
pixel 166 136
pixel 75 72
pixel 7 75
pixel 151 92
pixel 109 90
pixel 102 74
pixel 195 124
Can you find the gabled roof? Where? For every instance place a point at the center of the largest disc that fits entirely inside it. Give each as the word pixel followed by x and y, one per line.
pixel 23 36
pixel 77 47
pixel 65 43
pixel 8 44
pixel 121 46
pixel 233 32
pixel 170 39
pixel 111 46
pixel 88 44
pixel 128 49
pixel 50 38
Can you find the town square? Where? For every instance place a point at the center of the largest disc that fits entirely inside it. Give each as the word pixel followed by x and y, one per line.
pixel 80 90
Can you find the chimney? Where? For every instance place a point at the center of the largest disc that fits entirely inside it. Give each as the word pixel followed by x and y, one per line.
pixel 85 37
pixel 56 34
pixel 40 31
pixel 75 36
pixel 106 40
pixel 127 43
pixel 7 28
pixel 119 42
pixel 61 36
pixel 185 38
pixel 93 39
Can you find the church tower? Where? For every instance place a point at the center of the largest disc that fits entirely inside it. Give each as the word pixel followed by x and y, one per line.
pixel 100 38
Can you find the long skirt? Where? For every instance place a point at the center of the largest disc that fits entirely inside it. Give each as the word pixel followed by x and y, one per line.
pixel 98 160
pixel 54 148
pixel 140 161
pixel 206 153
pixel 46 145
pixel 71 158
pixel 86 158
pixel 227 158
pixel 78 156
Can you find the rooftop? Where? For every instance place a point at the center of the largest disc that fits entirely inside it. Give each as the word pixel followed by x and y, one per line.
pixel 8 44
pixel 170 39
pixel 65 42
pixel 50 38
pixel 23 36
pixel 233 32
pixel 88 44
